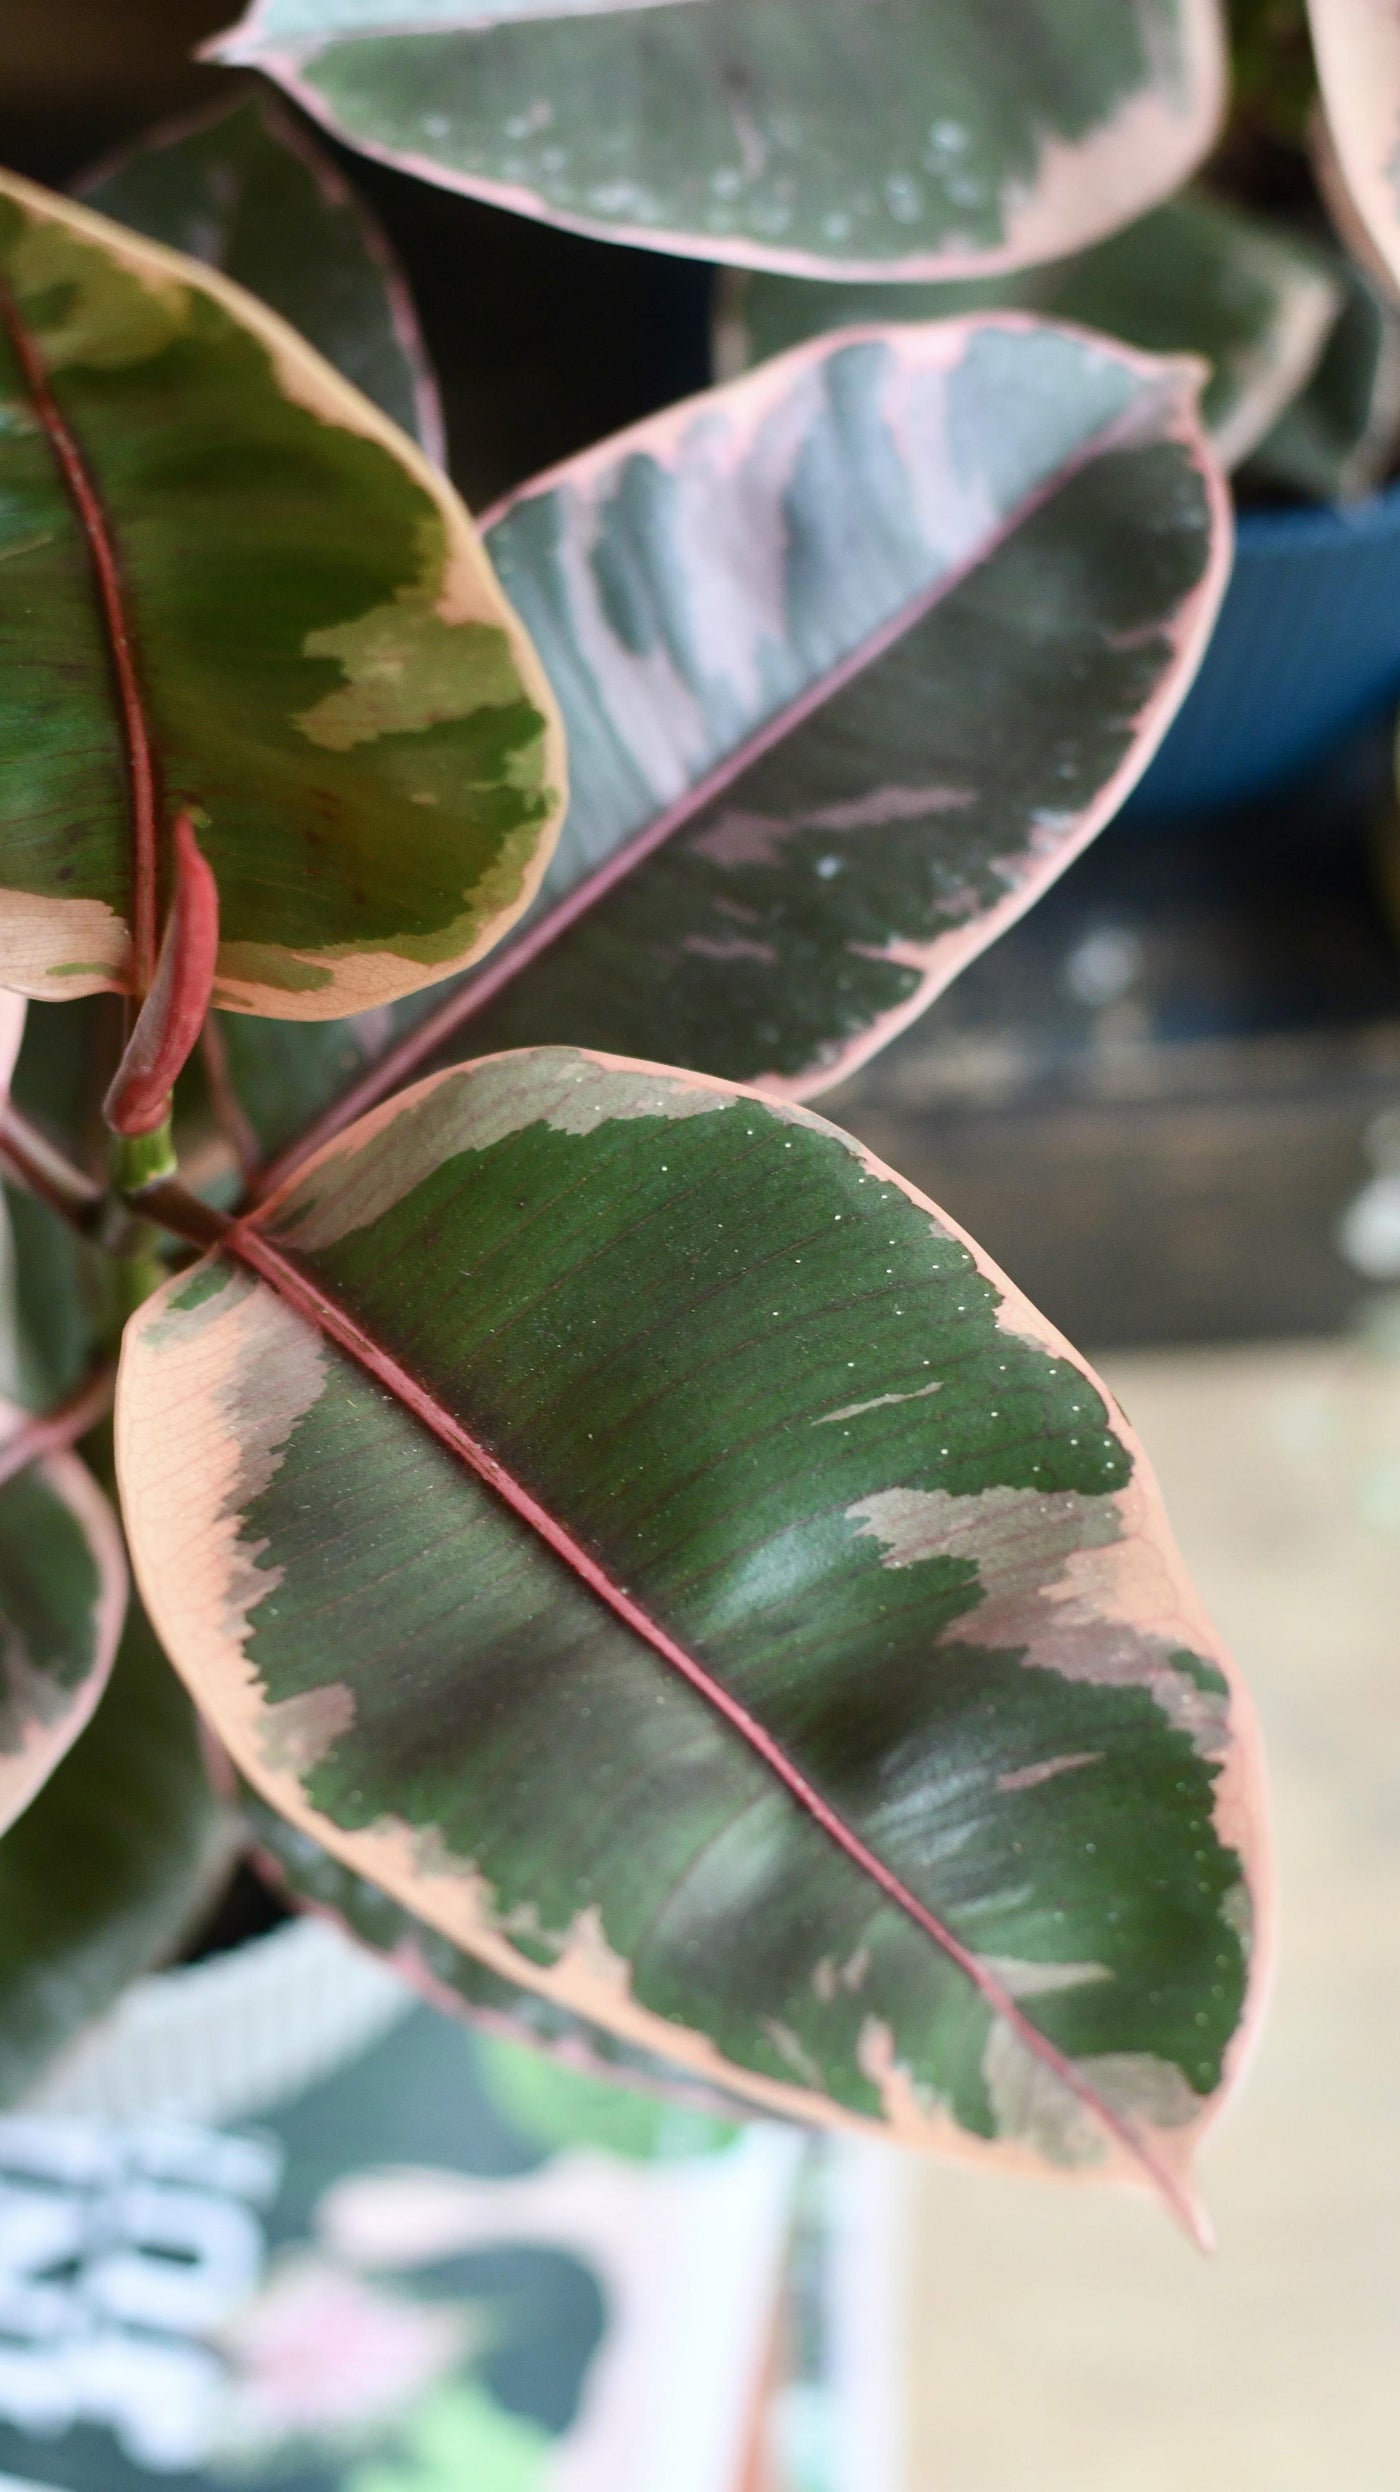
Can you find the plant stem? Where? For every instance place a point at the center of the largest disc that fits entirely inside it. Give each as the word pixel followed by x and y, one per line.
pixel 173 1208
pixel 141 1160
pixel 53 1431
pixel 31 1160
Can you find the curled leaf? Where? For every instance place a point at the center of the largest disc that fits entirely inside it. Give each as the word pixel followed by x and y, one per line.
pixel 172 1016
pixel 62 1601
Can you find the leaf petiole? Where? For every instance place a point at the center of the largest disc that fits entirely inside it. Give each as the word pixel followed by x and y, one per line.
pixel 29 1159
pixel 141 1160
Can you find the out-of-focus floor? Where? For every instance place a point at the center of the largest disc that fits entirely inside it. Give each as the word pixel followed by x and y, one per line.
pixel 1071 2338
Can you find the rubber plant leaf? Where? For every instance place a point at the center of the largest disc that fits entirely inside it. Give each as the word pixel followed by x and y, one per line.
pixel 1198 276
pixel 1338 439
pixel 62 1601
pixel 245 189
pixel 231 587
pixel 1356 44
pixel 109 1868
pixel 13 1010
pixel 59 1291
pixel 457 1983
pixel 818 136
pixel 616 1516
pixel 855 655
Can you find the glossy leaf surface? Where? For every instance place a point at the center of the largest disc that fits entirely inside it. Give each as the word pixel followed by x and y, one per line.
pixel 62 1601
pixel 245 190
pixel 907 137
pixel 318 663
pixel 111 1865
pixel 815 1697
pixel 855 654
pixel 1356 44
pixel 1198 276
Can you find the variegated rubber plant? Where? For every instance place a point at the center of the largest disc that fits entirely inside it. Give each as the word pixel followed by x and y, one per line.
pixel 966 152
pixel 653 1576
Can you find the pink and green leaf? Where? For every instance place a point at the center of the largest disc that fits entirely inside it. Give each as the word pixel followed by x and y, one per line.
pixel 816 136
pixel 231 587
pixel 1356 44
pixel 243 188
pixel 1337 440
pixel 620 1519
pixel 1198 276
pixel 855 654
pixel 109 1868
pixel 460 1984
pixel 62 1601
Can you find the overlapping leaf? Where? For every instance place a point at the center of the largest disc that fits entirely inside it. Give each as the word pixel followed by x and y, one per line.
pixel 243 189
pixel 689 1576
pixel 459 1983
pixel 1356 44
pixel 1198 276
pixel 229 584
pixel 855 654
pixel 58 1290
pixel 62 1601
pixel 63 1583
pixel 109 1867
pixel 922 138
pixel 1337 441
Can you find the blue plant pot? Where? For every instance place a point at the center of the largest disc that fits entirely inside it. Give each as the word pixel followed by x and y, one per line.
pixel 1306 650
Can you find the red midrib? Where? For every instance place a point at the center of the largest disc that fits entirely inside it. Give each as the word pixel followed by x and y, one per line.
pixel 297 1288
pixel 106 573
pixel 397 1065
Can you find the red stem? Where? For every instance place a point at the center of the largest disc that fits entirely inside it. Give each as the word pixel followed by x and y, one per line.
pixel 29 1159
pixel 55 1430
pixel 93 522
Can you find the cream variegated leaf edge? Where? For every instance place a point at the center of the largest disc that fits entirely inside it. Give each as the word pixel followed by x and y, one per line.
pixel 40 940
pixel 47 1699
pixel 1356 44
pixel 1096 1592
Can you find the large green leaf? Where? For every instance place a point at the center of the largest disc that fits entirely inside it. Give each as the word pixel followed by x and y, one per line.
pixel 883 137
pixel 1356 44
pixel 108 1868
pixel 1198 276
pixel 62 1601
pixel 701 1586
pixel 243 189
pixel 855 654
pixel 228 583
